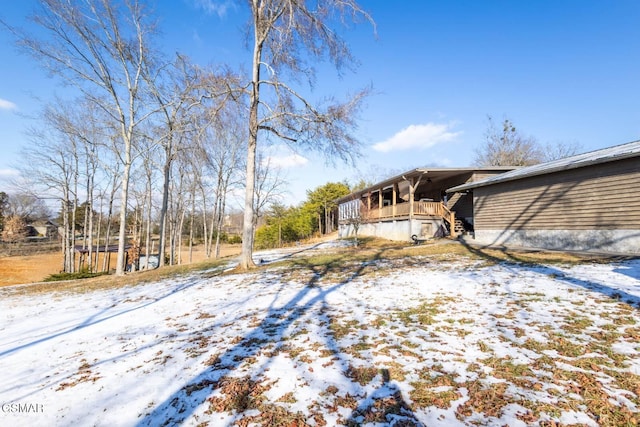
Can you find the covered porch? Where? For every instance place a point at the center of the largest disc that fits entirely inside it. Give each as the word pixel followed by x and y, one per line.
pixel 411 210
pixel 410 205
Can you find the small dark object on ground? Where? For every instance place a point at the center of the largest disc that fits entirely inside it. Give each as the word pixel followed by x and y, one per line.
pixel 417 240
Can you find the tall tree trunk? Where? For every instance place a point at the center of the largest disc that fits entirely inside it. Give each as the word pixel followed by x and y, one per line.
pixel 246 258
pixel 90 222
pixel 124 197
pixel 165 203
pixel 98 231
pixel 147 235
pixel 212 226
pixel 193 213
pixel 205 231
pixel 107 235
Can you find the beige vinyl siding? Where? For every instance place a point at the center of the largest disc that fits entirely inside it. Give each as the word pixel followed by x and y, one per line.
pixel 604 196
pixel 462 203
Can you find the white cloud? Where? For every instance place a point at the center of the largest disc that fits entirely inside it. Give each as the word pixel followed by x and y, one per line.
pixel 418 137
pixel 214 7
pixel 7 105
pixel 8 175
pixel 288 161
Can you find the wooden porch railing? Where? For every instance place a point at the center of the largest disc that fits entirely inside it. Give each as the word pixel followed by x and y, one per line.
pixel 402 209
pixel 437 209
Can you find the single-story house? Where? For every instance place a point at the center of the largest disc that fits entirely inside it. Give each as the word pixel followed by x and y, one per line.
pixel 43 229
pixel 413 204
pixel 587 202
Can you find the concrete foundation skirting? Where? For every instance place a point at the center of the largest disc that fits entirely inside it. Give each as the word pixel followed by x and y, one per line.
pixel 397 230
pixel 607 241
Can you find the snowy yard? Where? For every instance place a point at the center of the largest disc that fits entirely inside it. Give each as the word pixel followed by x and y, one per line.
pixel 406 341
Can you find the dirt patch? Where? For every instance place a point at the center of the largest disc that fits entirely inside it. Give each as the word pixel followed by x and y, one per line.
pixel 28 269
pixel 16 270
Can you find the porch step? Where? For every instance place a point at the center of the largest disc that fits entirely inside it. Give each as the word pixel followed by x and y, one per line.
pixel 459 227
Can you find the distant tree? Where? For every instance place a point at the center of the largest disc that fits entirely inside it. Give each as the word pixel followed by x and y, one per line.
pixel 15 229
pixel 506 146
pixel 27 206
pixel 361 185
pixel 269 186
pixel 4 205
pixel 285 225
pixel 100 47
pixel 278 212
pixel 288 37
pixel 323 201
pixel 560 150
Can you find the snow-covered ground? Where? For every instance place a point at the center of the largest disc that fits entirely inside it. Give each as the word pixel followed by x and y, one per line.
pixel 416 341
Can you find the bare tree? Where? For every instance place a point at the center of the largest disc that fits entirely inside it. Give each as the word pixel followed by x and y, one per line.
pixel 99 47
pixel 287 35
pixel 269 187
pixel 54 148
pixel 27 206
pixel 172 91
pixel 506 146
pixel 4 206
pixel 149 153
pixel 114 185
pixel 560 150
pixel 15 229
pixel 221 138
pixel 226 163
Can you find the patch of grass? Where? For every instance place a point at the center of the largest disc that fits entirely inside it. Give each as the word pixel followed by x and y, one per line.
pixel 422 314
pixel 340 330
pixel 83 375
pixel 566 347
pixel 288 398
pixel 383 411
pixel 483 347
pixel 347 401
pixel 576 324
pixel 237 394
pixel 485 399
pixel 606 336
pixel 58 277
pixel 358 347
pixel 107 281
pixel 534 345
pixel 395 371
pixel 505 368
pixel 424 396
pixel 362 375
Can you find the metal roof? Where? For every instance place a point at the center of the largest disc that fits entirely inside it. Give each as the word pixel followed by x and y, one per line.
pixel 617 152
pixel 419 172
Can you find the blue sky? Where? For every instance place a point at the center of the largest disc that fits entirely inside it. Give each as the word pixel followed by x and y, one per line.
pixel 562 71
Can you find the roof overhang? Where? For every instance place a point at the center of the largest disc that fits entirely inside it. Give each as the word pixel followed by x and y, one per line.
pixel 428 173
pixel 615 153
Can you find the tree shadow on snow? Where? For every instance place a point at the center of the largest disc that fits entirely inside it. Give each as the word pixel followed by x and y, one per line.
pixel 111 311
pixel 218 378
pixel 560 275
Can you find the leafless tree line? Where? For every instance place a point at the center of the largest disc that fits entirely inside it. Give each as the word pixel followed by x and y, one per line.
pixel 144 124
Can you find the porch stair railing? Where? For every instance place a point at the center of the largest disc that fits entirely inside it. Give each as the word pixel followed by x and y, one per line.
pixel 437 209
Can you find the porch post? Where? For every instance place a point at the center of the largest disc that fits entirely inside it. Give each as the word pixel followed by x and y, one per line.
pixel 379 203
pixel 393 201
pixel 411 192
pixel 452 223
